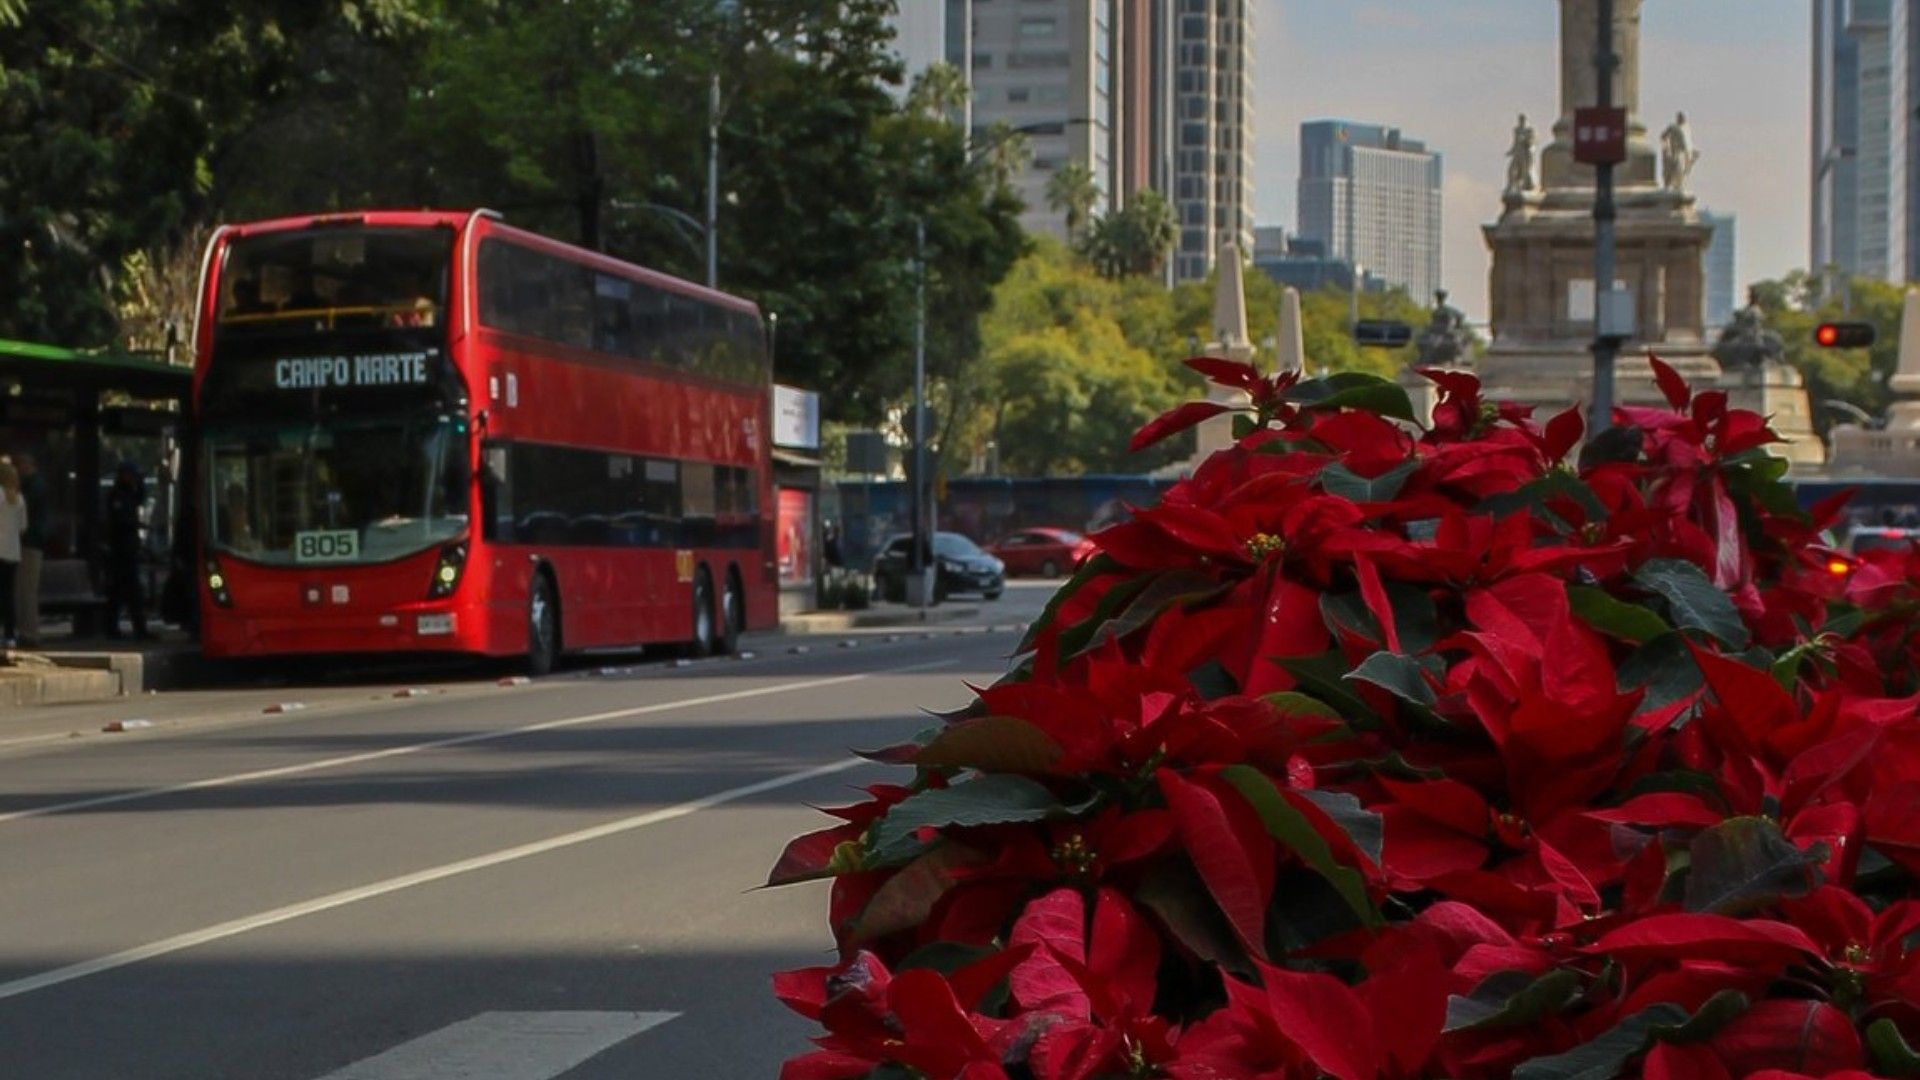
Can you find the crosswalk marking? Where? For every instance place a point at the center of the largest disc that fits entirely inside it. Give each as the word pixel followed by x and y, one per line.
pixel 505 1046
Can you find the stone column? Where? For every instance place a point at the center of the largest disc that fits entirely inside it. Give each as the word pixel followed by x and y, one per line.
pixel 1579 88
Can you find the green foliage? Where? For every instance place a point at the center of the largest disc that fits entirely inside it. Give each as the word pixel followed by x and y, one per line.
pixel 1073 364
pixel 1071 189
pixel 1133 240
pixel 127 125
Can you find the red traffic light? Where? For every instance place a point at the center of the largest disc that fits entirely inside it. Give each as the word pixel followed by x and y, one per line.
pixel 1843 335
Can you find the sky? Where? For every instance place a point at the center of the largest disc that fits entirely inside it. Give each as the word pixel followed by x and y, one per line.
pixel 1455 73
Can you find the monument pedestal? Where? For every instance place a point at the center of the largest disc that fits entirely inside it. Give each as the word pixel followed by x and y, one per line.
pixel 1543 295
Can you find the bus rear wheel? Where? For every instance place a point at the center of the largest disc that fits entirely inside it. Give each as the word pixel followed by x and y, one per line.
pixel 543 626
pixel 733 617
pixel 705 636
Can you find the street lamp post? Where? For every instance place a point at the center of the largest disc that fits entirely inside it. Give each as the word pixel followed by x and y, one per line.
pixel 916 565
pixel 1604 345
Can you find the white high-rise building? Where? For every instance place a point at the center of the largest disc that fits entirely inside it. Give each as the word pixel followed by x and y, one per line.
pixel 1213 131
pixel 1372 197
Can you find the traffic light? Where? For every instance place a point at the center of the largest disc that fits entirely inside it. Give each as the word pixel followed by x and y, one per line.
pixel 1843 335
pixel 1381 333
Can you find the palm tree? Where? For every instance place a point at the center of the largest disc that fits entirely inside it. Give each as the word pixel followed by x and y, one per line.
pixel 1131 240
pixel 939 91
pixel 1072 189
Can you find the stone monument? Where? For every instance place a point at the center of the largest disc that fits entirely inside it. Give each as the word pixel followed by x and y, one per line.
pixel 1542 284
pixel 1755 374
pixel 1229 342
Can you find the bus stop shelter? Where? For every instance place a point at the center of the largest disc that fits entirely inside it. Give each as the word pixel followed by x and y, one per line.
pixel 80 413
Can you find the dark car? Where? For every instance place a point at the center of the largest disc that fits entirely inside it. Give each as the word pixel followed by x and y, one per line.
pixel 959 567
pixel 1046 552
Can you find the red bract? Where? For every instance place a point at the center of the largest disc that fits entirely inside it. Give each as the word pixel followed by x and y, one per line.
pixel 1381 752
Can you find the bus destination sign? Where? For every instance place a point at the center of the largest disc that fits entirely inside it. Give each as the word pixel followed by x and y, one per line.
pixel 367 369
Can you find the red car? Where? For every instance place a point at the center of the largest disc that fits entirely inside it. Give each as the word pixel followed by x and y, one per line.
pixel 1046 552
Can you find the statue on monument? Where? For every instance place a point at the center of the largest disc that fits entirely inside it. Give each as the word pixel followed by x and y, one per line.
pixel 1677 154
pixel 1520 159
pixel 1446 342
pixel 1746 343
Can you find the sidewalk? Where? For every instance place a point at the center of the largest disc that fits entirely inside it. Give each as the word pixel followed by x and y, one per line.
pixel 882 615
pixel 69 669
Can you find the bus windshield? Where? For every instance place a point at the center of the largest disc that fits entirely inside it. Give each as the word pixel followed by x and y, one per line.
pixel 334 278
pixel 360 491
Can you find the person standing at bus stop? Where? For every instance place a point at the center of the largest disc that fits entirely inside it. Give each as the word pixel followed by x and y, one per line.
pixel 13 522
pixel 33 544
pixel 124 500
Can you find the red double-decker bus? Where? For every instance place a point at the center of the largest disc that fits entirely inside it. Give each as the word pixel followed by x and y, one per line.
pixel 433 431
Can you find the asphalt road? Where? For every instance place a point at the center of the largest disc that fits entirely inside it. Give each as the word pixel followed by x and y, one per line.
pixel 517 882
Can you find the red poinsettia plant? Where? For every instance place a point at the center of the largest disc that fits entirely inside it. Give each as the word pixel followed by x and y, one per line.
pixel 1385 751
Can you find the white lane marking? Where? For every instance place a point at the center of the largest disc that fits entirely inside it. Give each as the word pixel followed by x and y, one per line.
pixel 290 912
pixel 505 1046
pixel 458 740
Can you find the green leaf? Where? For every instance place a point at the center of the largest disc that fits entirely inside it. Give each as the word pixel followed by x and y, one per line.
pixel 1291 828
pixel 1294 703
pixel 1322 676
pixel 993 799
pixel 1891 1054
pixel 1507 998
pixel 1415 618
pixel 1100 565
pixel 1163 591
pixel 1664 668
pixel 1535 494
pixel 1746 863
pixel 1354 390
pixel 1715 1013
pixel 1602 611
pixel 1243 426
pixel 1366 828
pixel 991 744
pixel 1695 601
pixel 1612 444
pixel 1175 893
pixel 1337 479
pixel 1606 1056
pixel 1074 639
pixel 1399 674
pixel 1213 681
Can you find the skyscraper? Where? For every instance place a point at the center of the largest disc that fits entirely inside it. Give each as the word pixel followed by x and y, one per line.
pixel 1046 69
pixel 1719 299
pixel 1850 177
pixel 1372 197
pixel 1213 137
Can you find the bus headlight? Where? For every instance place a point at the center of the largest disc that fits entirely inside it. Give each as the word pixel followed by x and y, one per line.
pixel 446 572
pixel 217 584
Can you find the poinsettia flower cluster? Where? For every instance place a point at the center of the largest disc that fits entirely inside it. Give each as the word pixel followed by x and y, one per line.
pixel 1377 751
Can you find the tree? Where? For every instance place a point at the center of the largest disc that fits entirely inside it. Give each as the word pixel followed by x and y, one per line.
pixel 1132 240
pixel 1072 189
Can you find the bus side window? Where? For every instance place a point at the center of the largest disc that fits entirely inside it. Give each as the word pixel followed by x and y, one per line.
pixel 496 494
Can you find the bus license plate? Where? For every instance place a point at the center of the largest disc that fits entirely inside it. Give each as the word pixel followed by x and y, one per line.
pixel 326 545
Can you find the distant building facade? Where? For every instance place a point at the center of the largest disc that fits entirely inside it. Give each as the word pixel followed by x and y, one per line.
pixel 1305 264
pixel 1213 142
pixel 1147 94
pixel 1372 197
pixel 1853 178
pixel 1721 293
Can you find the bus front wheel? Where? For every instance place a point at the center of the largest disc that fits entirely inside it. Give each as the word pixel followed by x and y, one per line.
pixel 543 626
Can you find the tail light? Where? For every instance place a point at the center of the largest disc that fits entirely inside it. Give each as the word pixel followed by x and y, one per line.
pixel 447 570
